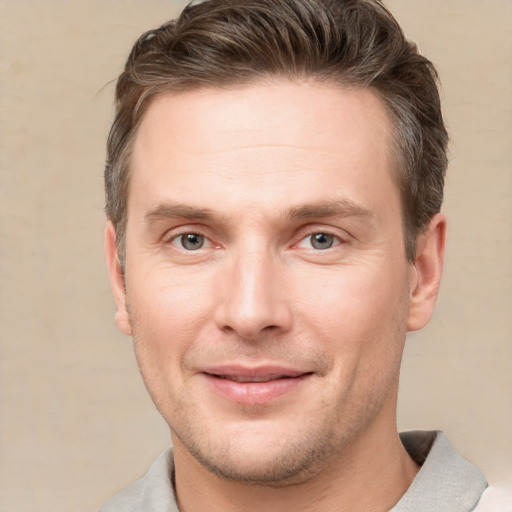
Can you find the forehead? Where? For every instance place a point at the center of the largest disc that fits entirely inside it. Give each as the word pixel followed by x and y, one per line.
pixel 284 108
pixel 262 141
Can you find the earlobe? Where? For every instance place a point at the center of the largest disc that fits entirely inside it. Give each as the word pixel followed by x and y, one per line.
pixel 427 271
pixel 122 317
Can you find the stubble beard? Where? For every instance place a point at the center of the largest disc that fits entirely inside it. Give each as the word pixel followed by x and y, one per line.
pixel 306 453
pixel 293 461
pixel 309 450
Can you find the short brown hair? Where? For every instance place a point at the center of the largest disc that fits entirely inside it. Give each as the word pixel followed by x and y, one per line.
pixel 355 43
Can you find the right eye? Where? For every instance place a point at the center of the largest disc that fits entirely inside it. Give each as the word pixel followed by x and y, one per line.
pixel 319 241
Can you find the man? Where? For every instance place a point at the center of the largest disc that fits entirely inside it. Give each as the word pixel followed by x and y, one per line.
pixel 274 183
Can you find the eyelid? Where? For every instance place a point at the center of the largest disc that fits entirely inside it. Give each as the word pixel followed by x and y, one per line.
pixel 171 236
pixel 306 232
pixel 337 241
pixel 174 241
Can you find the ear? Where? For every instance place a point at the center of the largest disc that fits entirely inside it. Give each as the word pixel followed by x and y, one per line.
pixel 426 273
pixel 117 284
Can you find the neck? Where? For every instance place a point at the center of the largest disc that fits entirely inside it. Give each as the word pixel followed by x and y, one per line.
pixel 371 474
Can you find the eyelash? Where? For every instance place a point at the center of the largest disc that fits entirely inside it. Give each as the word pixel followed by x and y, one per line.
pixel 336 240
pixel 175 240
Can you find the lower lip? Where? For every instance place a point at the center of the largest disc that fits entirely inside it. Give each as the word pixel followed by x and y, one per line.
pixel 254 393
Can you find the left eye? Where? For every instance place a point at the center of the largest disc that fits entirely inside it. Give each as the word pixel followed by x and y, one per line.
pixel 319 241
pixel 190 241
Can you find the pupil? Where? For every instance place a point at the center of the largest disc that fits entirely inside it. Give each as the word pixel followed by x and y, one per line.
pixel 322 241
pixel 192 242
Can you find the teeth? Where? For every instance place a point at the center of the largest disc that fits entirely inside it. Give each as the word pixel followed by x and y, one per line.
pixel 237 378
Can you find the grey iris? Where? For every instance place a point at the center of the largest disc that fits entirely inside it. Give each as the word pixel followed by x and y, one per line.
pixel 322 241
pixel 192 241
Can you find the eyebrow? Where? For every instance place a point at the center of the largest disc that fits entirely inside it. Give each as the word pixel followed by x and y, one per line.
pixel 333 208
pixel 336 208
pixel 166 211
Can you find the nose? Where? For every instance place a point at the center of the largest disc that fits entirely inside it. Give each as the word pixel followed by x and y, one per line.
pixel 252 299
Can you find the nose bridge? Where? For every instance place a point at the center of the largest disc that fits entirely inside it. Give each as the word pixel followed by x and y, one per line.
pixel 253 299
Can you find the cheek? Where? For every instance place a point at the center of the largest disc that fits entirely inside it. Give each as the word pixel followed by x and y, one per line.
pixel 166 300
pixel 351 299
pixel 167 315
pixel 359 316
pixel 162 332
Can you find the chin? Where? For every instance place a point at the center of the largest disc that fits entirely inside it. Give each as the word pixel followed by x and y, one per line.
pixel 263 458
pixel 277 467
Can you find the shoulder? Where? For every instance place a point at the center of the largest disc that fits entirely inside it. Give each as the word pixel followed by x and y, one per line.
pixel 126 500
pixel 151 493
pixel 495 499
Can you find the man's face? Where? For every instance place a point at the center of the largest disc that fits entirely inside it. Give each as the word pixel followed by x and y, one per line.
pixel 267 288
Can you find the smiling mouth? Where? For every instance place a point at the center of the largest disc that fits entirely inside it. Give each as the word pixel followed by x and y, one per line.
pixel 254 379
pixel 255 387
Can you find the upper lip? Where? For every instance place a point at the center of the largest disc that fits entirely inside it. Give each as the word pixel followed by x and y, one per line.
pixel 254 374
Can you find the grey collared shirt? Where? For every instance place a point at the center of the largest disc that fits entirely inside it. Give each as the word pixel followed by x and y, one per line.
pixel 446 481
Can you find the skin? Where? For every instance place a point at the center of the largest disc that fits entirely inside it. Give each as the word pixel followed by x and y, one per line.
pixel 254 173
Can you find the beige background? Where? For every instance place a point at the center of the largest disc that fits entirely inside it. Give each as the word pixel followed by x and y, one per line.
pixel 75 422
